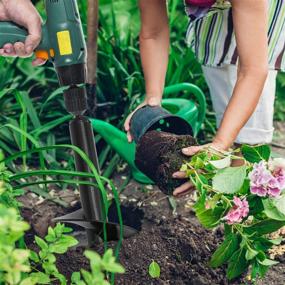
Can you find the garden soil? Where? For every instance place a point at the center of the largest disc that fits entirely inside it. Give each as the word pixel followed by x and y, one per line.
pixel 170 235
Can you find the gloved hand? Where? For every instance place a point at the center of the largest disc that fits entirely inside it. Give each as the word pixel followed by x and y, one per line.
pixel 23 13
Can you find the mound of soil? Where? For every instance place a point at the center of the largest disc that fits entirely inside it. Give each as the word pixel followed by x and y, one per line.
pixel 176 242
pixel 181 248
pixel 158 155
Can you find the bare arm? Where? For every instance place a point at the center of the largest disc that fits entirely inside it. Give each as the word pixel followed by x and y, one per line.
pixel 154 45
pixel 154 50
pixel 250 23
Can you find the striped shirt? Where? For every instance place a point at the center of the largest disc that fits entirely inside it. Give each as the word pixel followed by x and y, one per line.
pixel 211 35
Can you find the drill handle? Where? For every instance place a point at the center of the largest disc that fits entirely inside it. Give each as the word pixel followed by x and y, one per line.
pixel 12 33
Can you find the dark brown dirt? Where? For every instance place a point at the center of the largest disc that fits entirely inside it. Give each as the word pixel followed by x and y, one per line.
pixel 158 155
pixel 182 249
pixel 176 242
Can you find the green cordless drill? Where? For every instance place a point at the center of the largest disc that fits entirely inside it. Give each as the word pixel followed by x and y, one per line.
pixel 63 44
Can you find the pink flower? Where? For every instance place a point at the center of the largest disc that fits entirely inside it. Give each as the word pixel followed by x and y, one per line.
pixel 263 182
pixel 274 192
pixel 239 211
pixel 280 177
pixel 258 190
pixel 260 175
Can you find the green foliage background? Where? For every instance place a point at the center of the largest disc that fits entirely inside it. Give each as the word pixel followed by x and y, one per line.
pixel 30 98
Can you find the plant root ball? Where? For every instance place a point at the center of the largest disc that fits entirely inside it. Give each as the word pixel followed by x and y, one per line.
pixel 159 155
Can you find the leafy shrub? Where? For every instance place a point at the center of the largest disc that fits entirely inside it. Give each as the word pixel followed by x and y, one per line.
pixel 248 200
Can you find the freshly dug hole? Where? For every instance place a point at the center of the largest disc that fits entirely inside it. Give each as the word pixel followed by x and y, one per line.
pixel 158 155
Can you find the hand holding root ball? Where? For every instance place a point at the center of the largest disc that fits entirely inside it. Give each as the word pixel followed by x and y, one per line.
pixel 190 151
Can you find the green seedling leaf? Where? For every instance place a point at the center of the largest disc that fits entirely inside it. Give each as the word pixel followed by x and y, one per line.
pixel 87 276
pixel 237 265
pixel 173 204
pixel 109 263
pixel 256 153
pixel 75 277
pixel 41 243
pixel 94 258
pixel 154 270
pixel 229 180
pixel 225 251
pixel 222 163
pixel 51 237
pixel 30 281
pixel 41 278
pixel 34 256
pixel 62 245
pixel 61 278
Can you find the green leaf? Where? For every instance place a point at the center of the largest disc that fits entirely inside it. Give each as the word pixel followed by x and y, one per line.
pixel 279 203
pixel 114 267
pixel 51 237
pixel 42 278
pixel 237 265
pixel 250 254
pixel 34 256
pixel 209 218
pixel 95 260
pixel 75 277
pixel 268 262
pixel 109 263
pixel 256 153
pixel 173 204
pixel 28 281
pixel 245 187
pixel 62 245
pixel 154 270
pixel 41 243
pixel 258 270
pixel 61 278
pixel 255 205
pixel 229 180
pixel 225 250
pixel 276 241
pixel 264 227
pixel 222 163
pixel 272 208
pixel 87 276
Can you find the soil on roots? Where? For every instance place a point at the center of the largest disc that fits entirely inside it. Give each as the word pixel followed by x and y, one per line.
pixel 159 155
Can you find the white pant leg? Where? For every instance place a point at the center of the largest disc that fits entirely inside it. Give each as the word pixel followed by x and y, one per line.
pixel 259 129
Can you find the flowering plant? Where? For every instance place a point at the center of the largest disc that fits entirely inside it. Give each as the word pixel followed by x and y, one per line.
pixel 249 201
